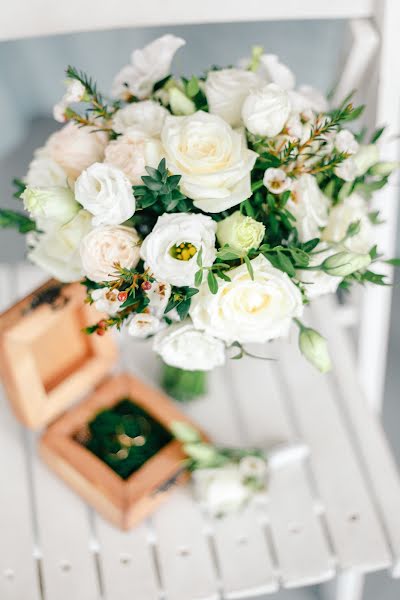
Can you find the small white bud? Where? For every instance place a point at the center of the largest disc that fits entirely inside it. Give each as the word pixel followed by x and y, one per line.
pixel 315 349
pixel 345 263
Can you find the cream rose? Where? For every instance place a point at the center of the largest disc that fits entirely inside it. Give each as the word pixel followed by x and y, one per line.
pixel 266 111
pixel 310 207
pixel 240 233
pixel 318 283
pixel 185 347
pixel 104 247
pixel 148 66
pixel 227 89
pixel 212 159
pixel 247 310
pixel 50 206
pixel 57 251
pixel 132 152
pixel 353 208
pixel 170 250
pixel 106 193
pixel 76 148
pixel 148 115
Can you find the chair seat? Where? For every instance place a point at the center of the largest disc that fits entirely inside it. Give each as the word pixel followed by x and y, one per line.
pixel 336 511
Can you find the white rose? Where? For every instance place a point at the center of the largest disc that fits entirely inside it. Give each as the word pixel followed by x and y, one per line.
pixel 44 171
pixel 247 310
pixel 212 158
pixel 158 296
pixel 346 142
pixel 240 233
pixel 274 71
pixel 76 148
pixel 170 250
pixel 318 283
pixel 310 207
pixel 265 112
pixel 106 300
pixel 221 490
pixel 185 347
pixel 227 89
pixel 353 208
pixel 132 152
pixel 106 193
pixel 148 66
pixel 104 247
pixel 147 115
pixel 50 206
pixel 276 181
pixel 57 251
pixel 142 325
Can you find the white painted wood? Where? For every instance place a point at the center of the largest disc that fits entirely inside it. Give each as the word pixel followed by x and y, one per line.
pixel 302 550
pixel 63 520
pixel 380 467
pixel 40 18
pixel 353 524
pixel 363 46
pixel 18 570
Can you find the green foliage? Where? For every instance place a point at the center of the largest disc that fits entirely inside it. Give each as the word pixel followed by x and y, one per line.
pixel 12 219
pixel 181 298
pixel 20 187
pixel 183 385
pixel 160 192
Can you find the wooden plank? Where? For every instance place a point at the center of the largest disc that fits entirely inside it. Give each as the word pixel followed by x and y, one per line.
pixel 18 572
pixel 68 563
pixel 353 524
pixel 302 550
pixel 378 462
pixel 40 19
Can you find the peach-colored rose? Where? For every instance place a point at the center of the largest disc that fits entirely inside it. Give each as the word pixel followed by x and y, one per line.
pixel 76 148
pixel 132 152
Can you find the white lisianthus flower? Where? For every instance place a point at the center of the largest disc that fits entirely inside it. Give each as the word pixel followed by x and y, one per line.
pixel 347 169
pixel 44 171
pixel 276 181
pixel 212 159
pixel 50 207
pixel 148 115
pixel 227 89
pixel 132 152
pixel 221 491
pixel 106 300
pixel 240 233
pixel 365 158
pixel 106 193
pixel 76 148
pixel 247 310
pixel 57 251
pixel 143 325
pixel 185 347
pixel 307 98
pixel 310 207
pixel 318 283
pixel 170 250
pixel 158 296
pixel 353 208
pixel 346 142
pixel 266 111
pixel 273 71
pixel 315 349
pixel 148 66
pixel 104 247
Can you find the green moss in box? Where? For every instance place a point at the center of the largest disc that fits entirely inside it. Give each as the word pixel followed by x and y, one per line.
pixel 125 437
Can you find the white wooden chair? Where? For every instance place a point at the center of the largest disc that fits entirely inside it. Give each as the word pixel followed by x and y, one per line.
pixel 335 517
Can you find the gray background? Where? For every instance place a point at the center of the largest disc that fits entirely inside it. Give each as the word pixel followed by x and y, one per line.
pixel 31 72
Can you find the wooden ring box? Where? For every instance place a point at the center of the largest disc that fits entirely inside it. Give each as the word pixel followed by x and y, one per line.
pixel 47 364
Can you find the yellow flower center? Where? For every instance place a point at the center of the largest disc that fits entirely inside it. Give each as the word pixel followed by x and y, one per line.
pixel 184 251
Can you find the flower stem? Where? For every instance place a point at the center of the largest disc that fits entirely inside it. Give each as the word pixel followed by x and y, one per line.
pixel 183 385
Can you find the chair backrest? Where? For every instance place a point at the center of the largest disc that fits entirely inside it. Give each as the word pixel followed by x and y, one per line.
pixel 369 65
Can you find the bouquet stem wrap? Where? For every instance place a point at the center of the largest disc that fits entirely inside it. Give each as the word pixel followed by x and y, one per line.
pixel 183 385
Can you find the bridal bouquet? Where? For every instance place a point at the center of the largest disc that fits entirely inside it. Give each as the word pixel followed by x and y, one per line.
pixel 206 211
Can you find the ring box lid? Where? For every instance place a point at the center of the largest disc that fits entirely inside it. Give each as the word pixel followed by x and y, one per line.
pixel 47 361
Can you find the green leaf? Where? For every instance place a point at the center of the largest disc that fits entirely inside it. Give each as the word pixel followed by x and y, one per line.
pixel 212 282
pixel 16 220
pixel 285 264
pixel 249 267
pixel 353 229
pixel 228 253
pixel 189 292
pixel 223 276
pixel 377 134
pixel 376 278
pixel 199 259
pixel 154 173
pixel 20 187
pixel 183 308
pixel 198 278
pixel 395 262
pixel 192 87
pixel 154 186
